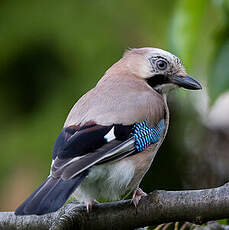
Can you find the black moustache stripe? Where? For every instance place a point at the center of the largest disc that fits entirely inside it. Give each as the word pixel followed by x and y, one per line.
pixel 157 80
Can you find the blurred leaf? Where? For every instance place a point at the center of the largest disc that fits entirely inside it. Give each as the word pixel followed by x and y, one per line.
pixel 194 36
pixel 219 78
pixel 223 221
pixel 185 27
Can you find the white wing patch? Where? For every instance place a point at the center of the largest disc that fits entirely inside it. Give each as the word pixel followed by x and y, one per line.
pixel 110 136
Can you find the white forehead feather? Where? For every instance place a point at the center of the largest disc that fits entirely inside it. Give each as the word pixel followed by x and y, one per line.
pixel 149 52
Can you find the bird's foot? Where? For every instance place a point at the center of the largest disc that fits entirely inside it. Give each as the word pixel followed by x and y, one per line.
pixel 90 204
pixel 138 194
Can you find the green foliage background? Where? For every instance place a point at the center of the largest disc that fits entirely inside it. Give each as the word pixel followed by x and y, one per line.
pixel 52 52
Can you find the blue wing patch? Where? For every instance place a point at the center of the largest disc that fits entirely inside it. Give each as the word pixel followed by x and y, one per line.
pixel 145 136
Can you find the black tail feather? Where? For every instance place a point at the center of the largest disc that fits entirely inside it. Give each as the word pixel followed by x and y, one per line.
pixel 50 196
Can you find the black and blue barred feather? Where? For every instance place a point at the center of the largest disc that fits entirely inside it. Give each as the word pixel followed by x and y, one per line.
pixel 145 135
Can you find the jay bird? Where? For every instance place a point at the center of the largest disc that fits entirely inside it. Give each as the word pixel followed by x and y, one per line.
pixel 112 133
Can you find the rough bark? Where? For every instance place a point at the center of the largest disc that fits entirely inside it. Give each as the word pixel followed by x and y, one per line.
pixel 197 206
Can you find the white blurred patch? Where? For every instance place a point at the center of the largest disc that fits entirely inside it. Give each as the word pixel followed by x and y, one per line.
pixel 219 114
pixel 200 101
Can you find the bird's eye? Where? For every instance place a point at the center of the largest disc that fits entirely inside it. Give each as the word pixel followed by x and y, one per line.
pixel 161 64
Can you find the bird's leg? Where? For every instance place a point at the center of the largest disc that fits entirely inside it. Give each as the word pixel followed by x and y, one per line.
pixel 138 194
pixel 90 204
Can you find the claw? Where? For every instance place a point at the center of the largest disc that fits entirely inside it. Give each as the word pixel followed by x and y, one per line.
pixel 89 205
pixel 138 194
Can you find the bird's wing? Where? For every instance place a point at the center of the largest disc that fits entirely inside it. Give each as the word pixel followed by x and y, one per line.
pixel 79 148
pixel 115 119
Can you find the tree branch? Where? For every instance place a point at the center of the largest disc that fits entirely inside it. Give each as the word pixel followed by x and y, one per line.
pixel 197 206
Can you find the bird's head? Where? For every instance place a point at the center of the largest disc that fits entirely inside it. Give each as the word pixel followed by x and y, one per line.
pixel 162 70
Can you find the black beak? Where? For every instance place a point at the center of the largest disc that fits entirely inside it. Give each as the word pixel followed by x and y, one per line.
pixel 185 82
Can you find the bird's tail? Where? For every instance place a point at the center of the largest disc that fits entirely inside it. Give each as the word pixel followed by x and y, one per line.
pixel 50 196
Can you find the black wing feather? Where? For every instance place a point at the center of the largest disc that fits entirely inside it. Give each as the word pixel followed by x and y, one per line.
pixel 81 141
pixel 113 150
pixel 50 196
pixel 88 146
